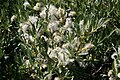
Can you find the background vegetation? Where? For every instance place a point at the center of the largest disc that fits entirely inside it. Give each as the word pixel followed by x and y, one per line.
pixel 81 42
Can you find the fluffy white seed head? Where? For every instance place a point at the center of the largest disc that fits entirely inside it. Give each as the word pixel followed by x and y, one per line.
pixel 26 4
pixel 37 7
pixel 13 18
pixel 24 27
pixel 110 73
pixel 56 78
pixel 118 75
pixel 68 23
pixel 53 26
pixel 33 19
pixel 114 55
pixel 43 13
pixel 52 10
pixel 57 39
pixel 72 13
pixel 61 12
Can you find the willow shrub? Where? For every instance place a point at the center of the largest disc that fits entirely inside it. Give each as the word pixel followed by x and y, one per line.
pixel 59 40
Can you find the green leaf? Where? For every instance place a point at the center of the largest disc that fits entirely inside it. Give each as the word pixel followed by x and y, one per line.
pixel 1 54
pixel 115 68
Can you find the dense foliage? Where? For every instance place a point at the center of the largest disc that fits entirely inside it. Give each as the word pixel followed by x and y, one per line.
pixel 59 39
